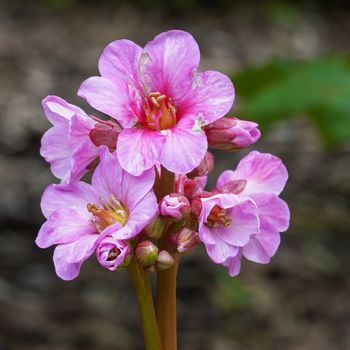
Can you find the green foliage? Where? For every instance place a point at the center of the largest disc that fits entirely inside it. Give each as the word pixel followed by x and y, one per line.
pixel 319 88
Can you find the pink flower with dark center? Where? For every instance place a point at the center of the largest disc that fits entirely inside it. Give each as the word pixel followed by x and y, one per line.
pixel 259 177
pixel 160 99
pixel 226 224
pixel 71 145
pixel 81 216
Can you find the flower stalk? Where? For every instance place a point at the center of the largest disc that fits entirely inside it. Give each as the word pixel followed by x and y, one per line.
pixel 142 286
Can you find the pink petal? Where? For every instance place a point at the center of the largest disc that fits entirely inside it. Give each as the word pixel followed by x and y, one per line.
pixel 114 98
pixel 211 96
pixel 139 149
pixel 245 223
pixel 56 150
pixel 273 211
pixel 224 178
pixel 234 264
pixel 120 60
pixel 72 196
pixel 221 251
pixel 184 148
pixel 56 108
pixel 84 149
pixel 168 63
pixel 108 175
pixel 139 217
pixel 68 258
pixel 63 226
pixel 264 172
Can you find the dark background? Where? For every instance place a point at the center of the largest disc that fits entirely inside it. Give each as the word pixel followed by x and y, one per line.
pixel 298 302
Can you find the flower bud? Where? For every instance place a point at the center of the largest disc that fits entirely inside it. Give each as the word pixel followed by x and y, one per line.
pixel 156 228
pixel 146 253
pixel 205 166
pixel 175 205
pixel 189 187
pixel 229 133
pixel 186 239
pixel 196 203
pixel 105 133
pixel 113 254
pixel 233 187
pixel 164 261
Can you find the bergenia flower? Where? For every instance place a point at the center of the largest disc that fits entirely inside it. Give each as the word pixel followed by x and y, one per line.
pixel 80 216
pixel 226 224
pixel 260 178
pixel 71 145
pixel 230 133
pixel 112 253
pixel 160 99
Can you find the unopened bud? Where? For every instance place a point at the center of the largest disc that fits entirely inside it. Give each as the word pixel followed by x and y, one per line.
pixel 164 261
pixel 105 133
pixel 185 240
pixel 196 203
pixel 156 228
pixel 189 187
pixel 205 166
pixel 229 133
pixel 175 205
pixel 146 253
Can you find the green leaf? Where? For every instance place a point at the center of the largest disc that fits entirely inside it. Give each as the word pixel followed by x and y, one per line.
pixel 319 88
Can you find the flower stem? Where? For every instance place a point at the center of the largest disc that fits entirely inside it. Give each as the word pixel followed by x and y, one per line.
pixel 166 280
pixel 142 286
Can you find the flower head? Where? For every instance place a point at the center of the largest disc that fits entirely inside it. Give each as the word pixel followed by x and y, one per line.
pixel 160 99
pixel 80 217
pixel 260 178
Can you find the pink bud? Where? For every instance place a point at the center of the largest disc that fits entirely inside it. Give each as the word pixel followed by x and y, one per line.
pixel 196 203
pixel 205 166
pixel 105 133
pixel 164 261
pixel 189 187
pixel 185 240
pixel 146 253
pixel 230 133
pixel 175 205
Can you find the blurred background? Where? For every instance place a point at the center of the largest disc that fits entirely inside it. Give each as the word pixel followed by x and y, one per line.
pixel 289 61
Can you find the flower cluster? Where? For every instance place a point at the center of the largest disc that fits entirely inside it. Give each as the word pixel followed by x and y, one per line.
pixel 161 114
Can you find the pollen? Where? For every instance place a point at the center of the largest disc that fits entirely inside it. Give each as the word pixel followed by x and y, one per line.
pixel 218 216
pixel 109 212
pixel 159 112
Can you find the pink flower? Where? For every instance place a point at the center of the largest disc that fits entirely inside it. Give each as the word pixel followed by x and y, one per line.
pixel 71 145
pixel 259 177
pixel 112 253
pixel 226 224
pixel 229 133
pixel 80 216
pixel 160 100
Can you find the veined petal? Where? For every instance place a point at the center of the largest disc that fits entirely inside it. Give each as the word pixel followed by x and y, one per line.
pixel 68 258
pixel 168 63
pixel 120 60
pixel 234 264
pixel 264 172
pixel 184 148
pixel 63 226
pixel 114 98
pixel 211 96
pixel 73 196
pixel 139 149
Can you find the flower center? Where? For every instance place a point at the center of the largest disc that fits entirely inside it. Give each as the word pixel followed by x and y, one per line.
pixel 111 212
pixel 218 216
pixel 113 254
pixel 159 112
